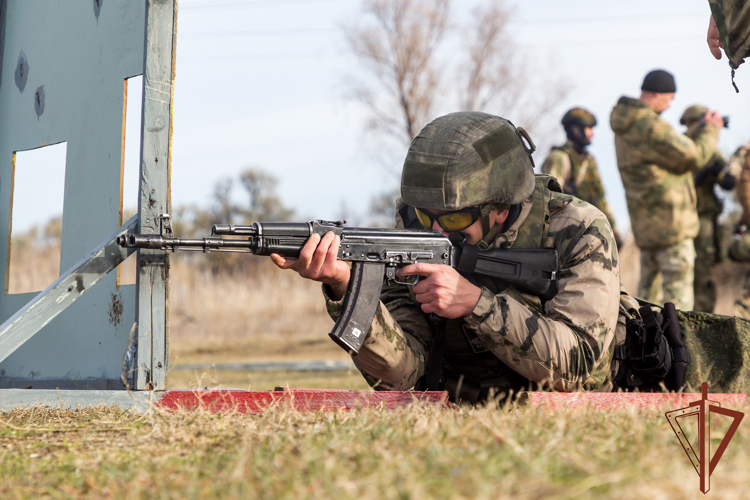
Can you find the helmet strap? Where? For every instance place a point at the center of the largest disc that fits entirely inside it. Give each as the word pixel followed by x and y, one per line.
pixel 486 212
pixel 490 233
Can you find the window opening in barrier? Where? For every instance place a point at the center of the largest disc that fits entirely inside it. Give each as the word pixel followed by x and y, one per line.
pixel 38 188
pixel 132 112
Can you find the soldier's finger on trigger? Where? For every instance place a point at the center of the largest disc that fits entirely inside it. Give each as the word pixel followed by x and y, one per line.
pixel 406 270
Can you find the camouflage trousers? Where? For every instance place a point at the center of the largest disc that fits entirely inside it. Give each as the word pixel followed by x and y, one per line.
pixel 704 286
pixel 675 266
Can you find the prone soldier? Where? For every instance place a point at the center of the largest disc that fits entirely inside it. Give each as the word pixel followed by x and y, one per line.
pixel 574 167
pixel 472 173
pixel 708 243
pixel 656 165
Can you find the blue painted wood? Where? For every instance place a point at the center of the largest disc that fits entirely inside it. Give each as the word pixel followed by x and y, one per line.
pixel 80 58
pixel 68 288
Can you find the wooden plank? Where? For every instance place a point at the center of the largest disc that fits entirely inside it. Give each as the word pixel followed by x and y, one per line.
pixel 152 282
pixel 31 318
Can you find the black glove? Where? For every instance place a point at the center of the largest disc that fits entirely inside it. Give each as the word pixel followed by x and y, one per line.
pixel 728 182
pixel 709 171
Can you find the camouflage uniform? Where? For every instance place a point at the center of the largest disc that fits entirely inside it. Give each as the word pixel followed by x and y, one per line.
pixel 708 247
pixel 510 338
pixel 656 165
pixel 740 248
pixel 578 175
pixel 732 18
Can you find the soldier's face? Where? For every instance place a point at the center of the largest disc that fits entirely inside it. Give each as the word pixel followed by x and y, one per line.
pixel 589 133
pixel 473 233
pixel 662 102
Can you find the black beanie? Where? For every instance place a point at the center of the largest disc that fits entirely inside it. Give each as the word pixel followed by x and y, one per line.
pixel 659 81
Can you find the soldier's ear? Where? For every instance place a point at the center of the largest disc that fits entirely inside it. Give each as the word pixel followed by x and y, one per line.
pixel 501 216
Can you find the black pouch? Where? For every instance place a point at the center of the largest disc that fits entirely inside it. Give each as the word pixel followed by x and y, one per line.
pixel 646 356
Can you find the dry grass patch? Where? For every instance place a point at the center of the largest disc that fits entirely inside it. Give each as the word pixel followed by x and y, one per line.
pixel 418 452
pixel 260 314
pixel 266 381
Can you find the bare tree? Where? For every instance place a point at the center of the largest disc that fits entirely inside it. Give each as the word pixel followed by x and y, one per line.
pixel 496 78
pixel 264 204
pixel 399 41
pixel 398 44
pixel 489 69
pixel 224 209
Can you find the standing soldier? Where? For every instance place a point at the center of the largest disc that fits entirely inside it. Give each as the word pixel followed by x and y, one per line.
pixel 574 168
pixel 656 164
pixel 740 249
pixel 708 242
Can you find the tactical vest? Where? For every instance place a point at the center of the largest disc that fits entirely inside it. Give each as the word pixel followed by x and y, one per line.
pixel 467 362
pixel 578 170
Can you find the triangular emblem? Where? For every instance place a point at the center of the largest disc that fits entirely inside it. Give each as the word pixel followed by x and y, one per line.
pixel 703 462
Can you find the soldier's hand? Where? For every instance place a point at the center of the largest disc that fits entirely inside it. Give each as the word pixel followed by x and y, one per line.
pixel 318 261
pixel 443 291
pixel 713 39
pixel 714 117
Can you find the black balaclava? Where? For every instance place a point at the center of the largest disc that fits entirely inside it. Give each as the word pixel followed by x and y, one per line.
pixel 577 136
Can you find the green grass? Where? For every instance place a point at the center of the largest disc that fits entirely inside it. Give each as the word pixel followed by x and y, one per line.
pixel 419 452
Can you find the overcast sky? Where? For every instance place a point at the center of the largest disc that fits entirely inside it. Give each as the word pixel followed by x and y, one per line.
pixel 264 83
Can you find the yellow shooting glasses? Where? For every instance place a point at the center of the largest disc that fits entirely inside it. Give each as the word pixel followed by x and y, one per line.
pixel 452 221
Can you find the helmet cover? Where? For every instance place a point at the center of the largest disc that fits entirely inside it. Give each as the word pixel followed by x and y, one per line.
pixel 468 159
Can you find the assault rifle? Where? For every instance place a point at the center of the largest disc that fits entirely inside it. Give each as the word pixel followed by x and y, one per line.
pixel 375 253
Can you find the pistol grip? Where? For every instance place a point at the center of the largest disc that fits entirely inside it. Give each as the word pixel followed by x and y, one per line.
pixel 360 303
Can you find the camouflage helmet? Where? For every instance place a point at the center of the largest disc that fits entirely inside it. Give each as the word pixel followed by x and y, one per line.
pixel 468 159
pixel 578 116
pixel 693 114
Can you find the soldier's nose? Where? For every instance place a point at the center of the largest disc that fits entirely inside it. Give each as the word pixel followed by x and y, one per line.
pixel 438 227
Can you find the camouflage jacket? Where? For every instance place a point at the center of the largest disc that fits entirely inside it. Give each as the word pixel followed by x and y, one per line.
pixel 578 174
pixel 733 21
pixel 656 165
pixel 568 339
pixel 740 160
pixel 707 203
